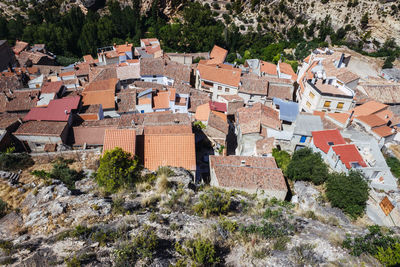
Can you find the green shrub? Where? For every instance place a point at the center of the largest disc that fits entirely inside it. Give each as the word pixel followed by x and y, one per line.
pixel 307 166
pixel 62 172
pixel 389 256
pixel 143 246
pixel 164 170
pixel 118 206
pixel 281 243
pixel 228 225
pixel 200 251
pixel 282 159
pixel 6 246
pixel 117 169
pixel 14 162
pixel 268 230
pixel 394 165
pixel 3 208
pixel 348 192
pixel 213 202
pixel 370 242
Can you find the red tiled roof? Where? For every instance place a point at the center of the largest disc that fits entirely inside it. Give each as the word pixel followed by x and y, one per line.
pixel 371 120
pixel 248 172
pixel 161 100
pixel 51 87
pixel 57 110
pixel 105 98
pixel 217 106
pixel 229 77
pixel 325 139
pixel 167 129
pixel 383 131
pixel 349 154
pixel 123 48
pixel 287 69
pixel 339 117
pixel 268 68
pixel 122 138
pixel 89 135
pixel 217 55
pixel 202 112
pixel 176 150
pixel 368 108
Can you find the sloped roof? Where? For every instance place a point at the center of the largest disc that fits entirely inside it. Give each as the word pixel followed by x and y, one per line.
pixel 167 129
pixel 161 100
pixel 255 173
pixel 122 138
pixel 51 87
pixel 18 101
pixel 218 121
pixel 325 139
pixel 89 135
pixel 128 72
pixel 383 131
pixel 306 123
pixel 252 84
pixel 217 55
pixel 176 150
pixel 19 47
pixel 265 146
pixel 368 108
pixel 371 120
pixel 217 106
pixel 229 77
pixel 339 117
pixel 41 128
pixel 287 69
pixel 251 119
pixel 268 68
pixel 105 98
pixel 288 110
pixel 348 154
pixel 109 84
pixel 202 112
pixel 57 110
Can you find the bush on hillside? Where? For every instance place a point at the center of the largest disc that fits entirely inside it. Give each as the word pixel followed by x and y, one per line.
pixel 213 202
pixel 348 192
pixel 14 161
pixel 3 208
pixel 200 251
pixel 394 165
pixel 307 166
pixel 282 159
pixel 117 169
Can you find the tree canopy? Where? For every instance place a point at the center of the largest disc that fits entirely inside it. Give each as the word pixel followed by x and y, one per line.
pixel 117 169
pixel 307 166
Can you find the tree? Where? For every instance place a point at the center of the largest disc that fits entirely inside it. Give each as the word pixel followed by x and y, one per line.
pixel 307 166
pixel 117 169
pixel 394 165
pixel 282 159
pixel 348 192
pixel 364 20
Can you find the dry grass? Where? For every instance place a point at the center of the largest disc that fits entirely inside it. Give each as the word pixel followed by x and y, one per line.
pixel 162 183
pixel 143 187
pixel 150 200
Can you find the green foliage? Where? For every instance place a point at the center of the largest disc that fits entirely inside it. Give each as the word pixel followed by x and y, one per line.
pixel 282 159
pixel 394 165
pixel 118 206
pixel 143 247
pixel 213 202
pixel 228 225
pixel 364 20
pixel 14 162
pixel 6 246
pixel 307 166
pixel 200 251
pixel 62 172
pixel 81 260
pixel 348 192
pixel 389 62
pixel 117 169
pixel 3 208
pixel 267 229
pixel 382 245
pixel 281 243
pixel 164 170
pixel 199 125
pixel 389 256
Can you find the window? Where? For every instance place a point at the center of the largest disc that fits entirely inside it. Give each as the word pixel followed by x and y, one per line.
pixel 154 81
pixel 330 143
pixel 219 88
pixel 340 105
pixel 327 104
pixel 227 90
pixel 311 95
pixel 303 139
pixel 308 104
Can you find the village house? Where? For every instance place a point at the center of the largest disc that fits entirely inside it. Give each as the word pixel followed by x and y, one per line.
pixel 122 138
pixel 232 102
pixel 63 109
pixel 285 71
pixel 9 123
pixel 261 68
pixel 28 59
pixel 187 58
pixel 50 91
pixel 36 135
pixel 18 101
pixel 162 100
pixel 218 79
pixel 20 46
pixel 128 73
pixel 252 124
pixel 149 48
pixel 7 58
pixel 217 56
pixel 304 126
pixel 254 175
pixel 164 71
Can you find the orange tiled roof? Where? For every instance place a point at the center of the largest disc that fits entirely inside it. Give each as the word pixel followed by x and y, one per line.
pixel 123 138
pixel 169 150
pixel 349 154
pixel 106 98
pixel 202 112
pixel 384 131
pixel 19 47
pixel 217 55
pixel 339 117
pixel 371 120
pixel 167 129
pixel 287 69
pixel 161 100
pixel 368 108
pixel 103 85
pixel 268 68
pixel 307 59
pixel 123 48
pixel 221 75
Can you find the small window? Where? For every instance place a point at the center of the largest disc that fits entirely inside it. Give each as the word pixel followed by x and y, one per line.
pixel 355 165
pixel 154 81
pixel 330 143
pixel 227 90
pixel 308 104
pixel 219 88
pixel 340 105
pixel 327 104
pixel 311 95
pixel 303 139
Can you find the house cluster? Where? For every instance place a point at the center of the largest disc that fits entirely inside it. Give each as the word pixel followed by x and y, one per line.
pixel 146 102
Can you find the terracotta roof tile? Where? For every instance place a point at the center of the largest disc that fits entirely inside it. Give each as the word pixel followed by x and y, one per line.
pixel 169 150
pixel 103 85
pixel 371 120
pixel 369 108
pixel 342 118
pixel 349 154
pixel 287 69
pixel 248 172
pixel 167 129
pixel 202 112
pixel 126 100
pixel 18 101
pixel 217 106
pixel 19 47
pixel 42 128
pixel 251 119
pixel 105 98
pixel 252 84
pixel 383 131
pixel 51 87
pixel 325 139
pixel 268 68
pixel 229 77
pixel 217 55
pixel 161 100
pixel 56 110
pixel 89 135
pixel 218 120
pixel 122 138
pixel 264 146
